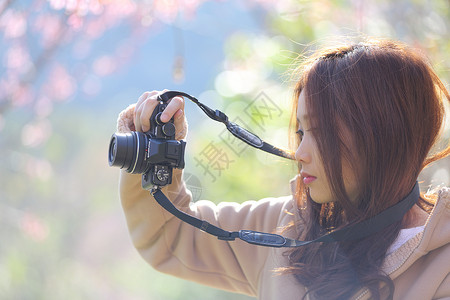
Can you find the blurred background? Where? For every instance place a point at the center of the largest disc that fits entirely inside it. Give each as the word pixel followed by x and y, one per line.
pixel 67 68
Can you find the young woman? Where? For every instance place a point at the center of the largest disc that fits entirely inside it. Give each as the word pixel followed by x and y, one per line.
pixel 367 117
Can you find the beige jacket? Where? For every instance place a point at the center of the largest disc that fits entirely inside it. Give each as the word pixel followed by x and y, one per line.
pixel 419 268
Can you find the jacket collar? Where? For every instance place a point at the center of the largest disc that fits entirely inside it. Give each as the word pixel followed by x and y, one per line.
pixel 435 235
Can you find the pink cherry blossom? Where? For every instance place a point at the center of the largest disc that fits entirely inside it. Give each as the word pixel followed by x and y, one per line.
pixel 60 85
pixel 36 133
pixel 104 65
pixel 34 227
pixel 13 24
pixel 17 57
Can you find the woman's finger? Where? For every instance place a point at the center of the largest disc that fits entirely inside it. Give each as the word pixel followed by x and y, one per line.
pixel 175 104
pixel 139 108
pixel 146 112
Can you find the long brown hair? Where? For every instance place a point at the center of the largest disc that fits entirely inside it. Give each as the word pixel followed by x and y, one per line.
pixel 391 102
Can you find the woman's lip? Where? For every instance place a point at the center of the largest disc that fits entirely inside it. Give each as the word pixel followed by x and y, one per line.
pixel 308 179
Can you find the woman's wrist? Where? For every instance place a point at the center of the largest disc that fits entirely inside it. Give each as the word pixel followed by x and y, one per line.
pixel 125 121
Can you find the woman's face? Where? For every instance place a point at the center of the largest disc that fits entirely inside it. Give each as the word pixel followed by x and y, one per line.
pixel 312 170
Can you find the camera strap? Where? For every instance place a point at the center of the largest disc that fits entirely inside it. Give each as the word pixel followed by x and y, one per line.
pixel 239 132
pixel 351 232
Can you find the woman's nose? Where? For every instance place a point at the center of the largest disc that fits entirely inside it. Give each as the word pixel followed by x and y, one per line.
pixel 302 154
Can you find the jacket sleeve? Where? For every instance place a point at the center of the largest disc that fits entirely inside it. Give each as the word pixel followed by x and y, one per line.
pixel 443 292
pixel 177 248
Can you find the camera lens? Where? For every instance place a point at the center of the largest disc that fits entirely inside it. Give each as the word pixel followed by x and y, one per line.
pixel 120 150
pixel 112 151
pixel 127 151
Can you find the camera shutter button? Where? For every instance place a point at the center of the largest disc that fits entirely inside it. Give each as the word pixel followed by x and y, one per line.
pixel 158 118
pixel 168 129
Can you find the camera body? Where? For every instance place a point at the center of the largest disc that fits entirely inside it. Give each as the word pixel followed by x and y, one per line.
pixel 153 154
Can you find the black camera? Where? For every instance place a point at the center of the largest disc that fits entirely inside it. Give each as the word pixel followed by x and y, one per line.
pixel 153 154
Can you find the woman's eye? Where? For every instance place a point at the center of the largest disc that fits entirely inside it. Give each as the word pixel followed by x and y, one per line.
pixel 300 133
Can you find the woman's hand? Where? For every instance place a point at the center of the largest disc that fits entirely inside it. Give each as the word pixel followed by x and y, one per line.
pixel 175 108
